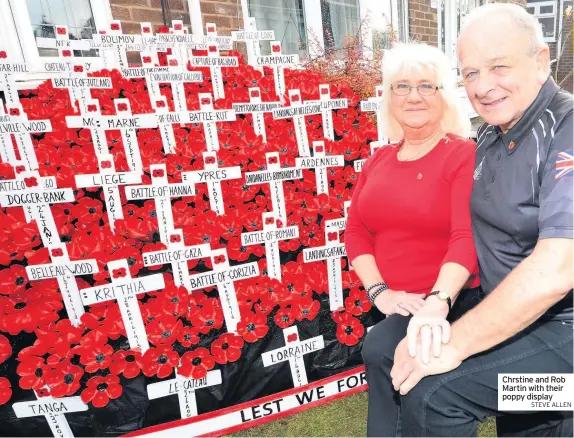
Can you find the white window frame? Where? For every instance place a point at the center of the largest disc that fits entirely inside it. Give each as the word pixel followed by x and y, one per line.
pixel 16 29
pixel 538 15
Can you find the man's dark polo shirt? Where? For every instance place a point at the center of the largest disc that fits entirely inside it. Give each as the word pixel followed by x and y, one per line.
pixel 523 188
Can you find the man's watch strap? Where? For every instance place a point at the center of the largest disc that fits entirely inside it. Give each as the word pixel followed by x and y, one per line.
pixel 443 296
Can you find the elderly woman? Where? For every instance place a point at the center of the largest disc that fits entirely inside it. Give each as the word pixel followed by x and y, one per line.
pixel 408 234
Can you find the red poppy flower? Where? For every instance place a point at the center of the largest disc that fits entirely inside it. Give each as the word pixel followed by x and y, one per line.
pixel 159 361
pixel 188 336
pixel 174 300
pixel 196 363
pixel 307 309
pixel 252 327
pixel 14 111
pixel 350 330
pixel 88 210
pixel 13 280
pixel 31 371
pixel 357 302
pixel 27 310
pixel 5 390
pixel 104 318
pixel 210 317
pixel 64 380
pixel 99 390
pixel 61 30
pixel 115 26
pixel 163 330
pixel 126 362
pixel 122 106
pixel 227 348
pixel 66 53
pixel 96 358
pixel 5 348
pixel 285 317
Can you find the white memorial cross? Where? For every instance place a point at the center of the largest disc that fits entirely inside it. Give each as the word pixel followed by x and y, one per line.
pixel 98 132
pixel 270 237
pixel 119 42
pixel 215 63
pixel 16 122
pixel 202 42
pixel 274 176
pixel 150 45
pixel 213 175
pixel 7 153
pixel 28 182
pixel 125 289
pixel 257 109
pixel 161 192
pixel 109 180
pixel 332 252
pixel 176 77
pixel 298 111
pixel 223 275
pixel 277 61
pixel 64 271
pixel 7 80
pixel 177 254
pixel 339 224
pixel 252 36
pixel 54 409
pixel 185 389
pixel 320 162
pixel 123 121
pixel 293 352
pixel 373 104
pixel 75 78
pixel 209 117
pixel 358 164
pixel 327 106
pixel 144 72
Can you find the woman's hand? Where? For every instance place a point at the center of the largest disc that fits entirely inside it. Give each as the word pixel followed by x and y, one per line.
pixel 392 301
pixel 428 328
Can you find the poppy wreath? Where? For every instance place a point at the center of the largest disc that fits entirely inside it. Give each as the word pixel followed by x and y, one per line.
pixel 41 350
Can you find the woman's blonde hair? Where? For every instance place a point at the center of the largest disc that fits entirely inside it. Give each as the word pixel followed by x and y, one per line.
pixel 402 60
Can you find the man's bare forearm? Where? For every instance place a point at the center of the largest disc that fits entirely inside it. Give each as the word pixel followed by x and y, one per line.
pixel 534 286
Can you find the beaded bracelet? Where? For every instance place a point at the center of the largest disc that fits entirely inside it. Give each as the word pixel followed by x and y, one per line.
pixel 380 283
pixel 377 292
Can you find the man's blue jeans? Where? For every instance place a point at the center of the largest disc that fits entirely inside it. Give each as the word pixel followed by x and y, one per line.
pixel 453 403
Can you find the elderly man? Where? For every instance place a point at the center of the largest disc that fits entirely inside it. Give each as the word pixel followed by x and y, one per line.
pixel 522 224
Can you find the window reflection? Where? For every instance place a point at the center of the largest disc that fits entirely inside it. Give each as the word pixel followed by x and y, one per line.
pixel 76 14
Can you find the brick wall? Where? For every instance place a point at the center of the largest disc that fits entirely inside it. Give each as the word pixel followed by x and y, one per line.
pixel 423 24
pixel 565 76
pixel 224 13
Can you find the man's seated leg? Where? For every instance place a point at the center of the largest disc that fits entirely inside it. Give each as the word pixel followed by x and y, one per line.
pixel 535 424
pixel 452 404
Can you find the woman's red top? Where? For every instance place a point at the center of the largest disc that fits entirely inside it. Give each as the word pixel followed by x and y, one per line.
pixel 414 216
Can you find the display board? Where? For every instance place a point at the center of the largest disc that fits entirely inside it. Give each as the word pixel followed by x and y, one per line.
pixel 172 237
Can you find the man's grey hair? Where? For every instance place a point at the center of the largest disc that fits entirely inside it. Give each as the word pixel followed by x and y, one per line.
pixel 521 17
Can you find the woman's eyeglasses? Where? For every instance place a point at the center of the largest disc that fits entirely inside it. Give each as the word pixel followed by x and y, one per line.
pixel 423 89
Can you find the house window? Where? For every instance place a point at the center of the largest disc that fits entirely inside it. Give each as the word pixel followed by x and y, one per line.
pixel 45 15
pixel 340 18
pixel 545 12
pixel 286 18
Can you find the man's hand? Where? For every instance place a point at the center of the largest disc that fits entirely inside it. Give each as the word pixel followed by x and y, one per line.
pixel 408 371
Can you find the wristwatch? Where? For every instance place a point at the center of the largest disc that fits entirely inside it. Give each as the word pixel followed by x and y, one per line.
pixel 443 296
